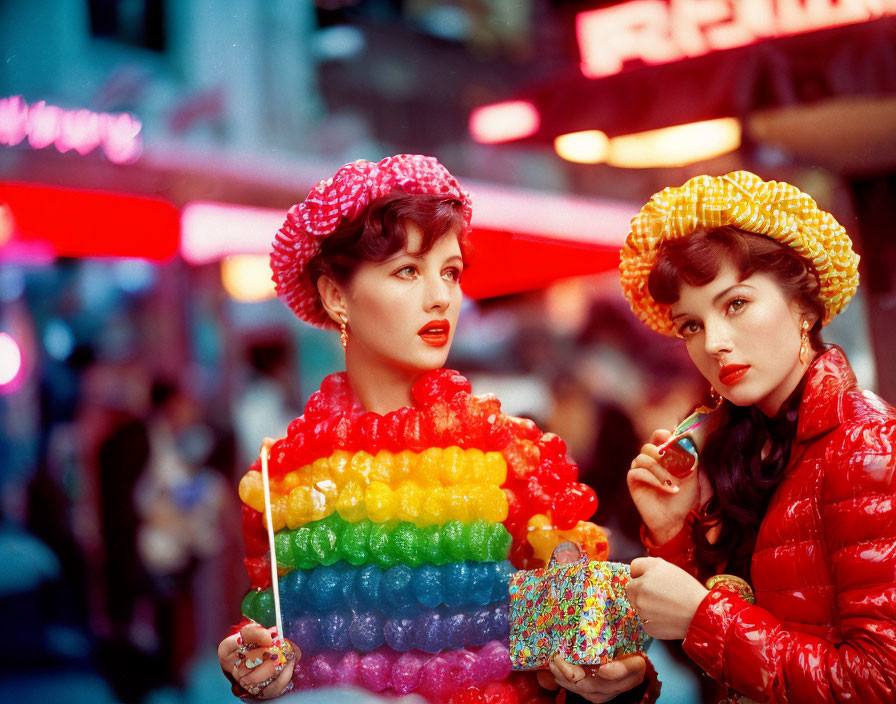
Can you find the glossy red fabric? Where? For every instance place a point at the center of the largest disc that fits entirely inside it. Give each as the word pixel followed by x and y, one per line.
pixel 824 568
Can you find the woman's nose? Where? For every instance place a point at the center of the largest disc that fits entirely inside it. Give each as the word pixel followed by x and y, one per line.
pixel 717 338
pixel 438 296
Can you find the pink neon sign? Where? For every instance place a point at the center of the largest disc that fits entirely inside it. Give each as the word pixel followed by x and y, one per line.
pixel 661 31
pixel 82 130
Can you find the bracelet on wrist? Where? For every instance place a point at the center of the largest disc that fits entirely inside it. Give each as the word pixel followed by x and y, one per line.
pixel 732 583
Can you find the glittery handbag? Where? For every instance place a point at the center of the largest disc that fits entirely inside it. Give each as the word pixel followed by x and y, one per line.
pixel 577 610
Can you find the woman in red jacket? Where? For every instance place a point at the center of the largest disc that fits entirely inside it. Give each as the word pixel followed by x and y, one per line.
pixel 794 493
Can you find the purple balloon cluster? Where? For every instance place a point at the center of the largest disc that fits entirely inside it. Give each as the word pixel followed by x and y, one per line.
pixel 433 676
pixel 411 628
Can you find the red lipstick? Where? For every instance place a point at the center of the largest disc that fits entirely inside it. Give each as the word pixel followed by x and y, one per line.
pixel 435 333
pixel 730 374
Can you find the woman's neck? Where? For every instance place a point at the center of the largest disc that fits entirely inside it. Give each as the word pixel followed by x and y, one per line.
pixel 380 388
pixel 771 405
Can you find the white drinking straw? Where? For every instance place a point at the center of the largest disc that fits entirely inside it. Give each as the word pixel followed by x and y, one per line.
pixel 275 586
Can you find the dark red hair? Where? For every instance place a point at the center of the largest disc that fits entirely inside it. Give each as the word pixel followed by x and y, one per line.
pixel 381 231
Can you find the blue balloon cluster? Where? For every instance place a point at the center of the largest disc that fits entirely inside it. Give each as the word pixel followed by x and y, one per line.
pixel 341 586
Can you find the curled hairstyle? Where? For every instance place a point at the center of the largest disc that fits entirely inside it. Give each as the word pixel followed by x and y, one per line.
pixel 380 232
pixel 743 482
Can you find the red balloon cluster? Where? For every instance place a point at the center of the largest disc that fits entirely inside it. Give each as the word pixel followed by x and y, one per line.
pixel 518 688
pixel 540 478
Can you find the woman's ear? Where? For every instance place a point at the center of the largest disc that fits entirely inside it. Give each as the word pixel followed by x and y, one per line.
pixel 332 298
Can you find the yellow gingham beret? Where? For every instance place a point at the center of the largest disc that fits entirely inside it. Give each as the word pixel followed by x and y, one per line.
pixel 741 199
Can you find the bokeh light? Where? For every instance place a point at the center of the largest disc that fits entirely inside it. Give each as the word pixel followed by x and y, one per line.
pixel 247 277
pixel 503 122
pixel 675 146
pixel 10 359
pixel 587 147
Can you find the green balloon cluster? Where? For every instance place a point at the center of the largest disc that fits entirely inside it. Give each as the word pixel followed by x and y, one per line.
pixel 332 539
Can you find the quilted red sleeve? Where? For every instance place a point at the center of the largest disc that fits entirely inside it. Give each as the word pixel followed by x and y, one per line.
pixel 749 649
pixel 679 550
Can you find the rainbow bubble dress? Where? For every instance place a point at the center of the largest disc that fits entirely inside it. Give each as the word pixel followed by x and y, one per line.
pixel 396 537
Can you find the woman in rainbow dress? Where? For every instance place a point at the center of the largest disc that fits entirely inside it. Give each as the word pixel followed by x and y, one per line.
pixel 400 502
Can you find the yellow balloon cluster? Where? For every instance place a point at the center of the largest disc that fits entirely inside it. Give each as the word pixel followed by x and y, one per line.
pixel 429 488
pixel 435 466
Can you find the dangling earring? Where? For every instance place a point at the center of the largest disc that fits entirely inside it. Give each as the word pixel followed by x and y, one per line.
pixel 804 341
pixel 343 333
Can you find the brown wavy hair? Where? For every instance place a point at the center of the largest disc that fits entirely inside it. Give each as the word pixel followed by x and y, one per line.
pixel 380 231
pixel 743 482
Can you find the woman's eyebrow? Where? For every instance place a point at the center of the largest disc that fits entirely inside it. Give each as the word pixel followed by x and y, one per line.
pixel 715 300
pixel 727 291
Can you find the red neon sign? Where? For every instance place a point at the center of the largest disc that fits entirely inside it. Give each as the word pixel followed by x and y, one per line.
pixel 81 130
pixel 661 31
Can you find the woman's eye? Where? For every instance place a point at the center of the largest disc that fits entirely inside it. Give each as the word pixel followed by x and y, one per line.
pixel 736 305
pixel 407 272
pixel 452 274
pixel 689 328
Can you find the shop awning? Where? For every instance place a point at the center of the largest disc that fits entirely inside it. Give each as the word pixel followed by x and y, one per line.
pixel 39 222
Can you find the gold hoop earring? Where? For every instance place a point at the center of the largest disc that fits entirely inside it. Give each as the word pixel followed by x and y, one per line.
pixel 804 341
pixel 343 332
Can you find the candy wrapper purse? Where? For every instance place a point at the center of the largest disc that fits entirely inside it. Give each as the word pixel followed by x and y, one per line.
pixel 577 610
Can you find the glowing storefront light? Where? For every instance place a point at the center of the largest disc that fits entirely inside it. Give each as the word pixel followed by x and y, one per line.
pixel 247 277
pixel 588 147
pixel 10 359
pixel 80 130
pixel 503 122
pixel 675 146
pixel 661 31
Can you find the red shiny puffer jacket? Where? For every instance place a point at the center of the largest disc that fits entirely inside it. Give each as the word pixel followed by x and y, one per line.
pixel 824 568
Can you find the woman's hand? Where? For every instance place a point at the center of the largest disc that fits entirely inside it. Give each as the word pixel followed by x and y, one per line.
pixel 247 657
pixel 599 683
pixel 665 597
pixel 663 500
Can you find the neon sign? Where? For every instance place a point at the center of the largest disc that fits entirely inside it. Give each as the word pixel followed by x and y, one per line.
pixel 661 31
pixel 82 130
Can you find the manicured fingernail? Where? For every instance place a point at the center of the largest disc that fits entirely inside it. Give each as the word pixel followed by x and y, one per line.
pixel 239 640
pixel 278 642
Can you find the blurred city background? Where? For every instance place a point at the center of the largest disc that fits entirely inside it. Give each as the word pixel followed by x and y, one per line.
pixel 148 152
